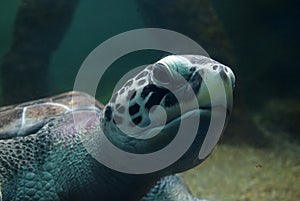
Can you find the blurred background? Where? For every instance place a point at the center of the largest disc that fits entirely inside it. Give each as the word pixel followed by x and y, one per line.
pixel 44 42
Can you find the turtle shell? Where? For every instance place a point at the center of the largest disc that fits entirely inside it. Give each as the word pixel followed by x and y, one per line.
pixel 26 118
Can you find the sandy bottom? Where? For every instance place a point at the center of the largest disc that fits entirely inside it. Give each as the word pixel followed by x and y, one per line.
pixel 248 174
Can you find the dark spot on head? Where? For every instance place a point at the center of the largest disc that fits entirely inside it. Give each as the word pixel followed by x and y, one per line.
pixel 128 83
pixel 152 88
pixel 215 67
pixel 108 113
pixel 134 109
pixel 113 98
pixel 141 82
pixel 141 75
pixel 170 100
pixel 146 91
pixel 154 99
pixel 137 120
pixel 195 82
pixel 223 75
pixel 192 69
pixel 156 95
pixel 131 94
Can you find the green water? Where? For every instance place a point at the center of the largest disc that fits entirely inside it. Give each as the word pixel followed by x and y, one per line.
pixel 259 40
pixel 263 37
pixel 8 10
pixel 94 22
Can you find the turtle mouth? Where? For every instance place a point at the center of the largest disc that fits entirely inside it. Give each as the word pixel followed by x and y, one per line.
pixel 190 115
pixel 173 124
pixel 203 110
pixel 200 111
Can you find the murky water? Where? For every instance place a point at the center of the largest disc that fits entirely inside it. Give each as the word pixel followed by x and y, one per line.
pixel 42 49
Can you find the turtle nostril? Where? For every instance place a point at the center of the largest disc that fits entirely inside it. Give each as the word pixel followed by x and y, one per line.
pixel 220 68
pixel 215 67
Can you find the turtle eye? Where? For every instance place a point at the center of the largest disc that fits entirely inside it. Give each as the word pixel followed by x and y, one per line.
pixel 161 74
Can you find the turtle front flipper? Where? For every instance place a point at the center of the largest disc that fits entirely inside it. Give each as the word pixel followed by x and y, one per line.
pixel 31 186
pixel 170 188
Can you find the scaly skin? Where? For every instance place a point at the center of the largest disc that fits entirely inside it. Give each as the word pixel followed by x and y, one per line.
pixel 57 166
pixel 170 188
pixel 53 163
pixel 46 173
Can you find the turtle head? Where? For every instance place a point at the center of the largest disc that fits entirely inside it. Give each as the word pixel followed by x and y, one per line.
pixel 146 113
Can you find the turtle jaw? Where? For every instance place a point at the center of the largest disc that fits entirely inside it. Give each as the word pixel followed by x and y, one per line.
pixel 191 157
pixel 169 131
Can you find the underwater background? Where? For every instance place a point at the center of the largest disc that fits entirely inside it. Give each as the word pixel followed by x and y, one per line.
pixel 43 44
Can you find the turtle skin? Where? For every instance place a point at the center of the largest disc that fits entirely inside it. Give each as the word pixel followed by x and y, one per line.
pixel 44 157
pixel 24 145
pixel 170 188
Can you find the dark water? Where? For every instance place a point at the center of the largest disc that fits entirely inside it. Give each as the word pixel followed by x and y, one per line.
pixel 259 40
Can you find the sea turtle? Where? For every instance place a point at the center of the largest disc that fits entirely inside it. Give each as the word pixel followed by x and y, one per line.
pixel 43 152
